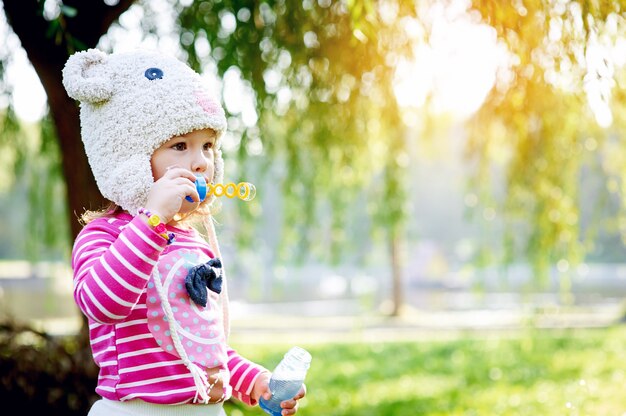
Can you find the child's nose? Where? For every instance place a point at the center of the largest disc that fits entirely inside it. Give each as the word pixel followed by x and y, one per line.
pixel 200 163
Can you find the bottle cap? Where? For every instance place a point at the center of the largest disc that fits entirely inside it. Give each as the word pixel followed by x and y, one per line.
pixel 300 353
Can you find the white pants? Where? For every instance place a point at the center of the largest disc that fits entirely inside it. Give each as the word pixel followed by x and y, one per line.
pixel 105 407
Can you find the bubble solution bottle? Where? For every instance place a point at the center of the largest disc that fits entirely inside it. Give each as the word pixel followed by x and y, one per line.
pixel 287 379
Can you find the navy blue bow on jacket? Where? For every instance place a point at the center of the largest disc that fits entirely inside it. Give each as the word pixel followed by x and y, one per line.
pixel 202 276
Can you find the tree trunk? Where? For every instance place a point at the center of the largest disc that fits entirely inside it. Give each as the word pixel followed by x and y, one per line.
pixel 48 54
pixel 395 243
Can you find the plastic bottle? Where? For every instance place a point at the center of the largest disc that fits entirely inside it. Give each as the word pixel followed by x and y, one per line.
pixel 287 379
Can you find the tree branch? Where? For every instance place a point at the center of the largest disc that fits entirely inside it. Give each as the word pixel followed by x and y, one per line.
pixel 93 19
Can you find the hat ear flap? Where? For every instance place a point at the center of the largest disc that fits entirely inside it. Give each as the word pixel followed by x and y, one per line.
pixel 85 76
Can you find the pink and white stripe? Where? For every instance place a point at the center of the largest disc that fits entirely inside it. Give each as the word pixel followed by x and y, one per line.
pixel 112 260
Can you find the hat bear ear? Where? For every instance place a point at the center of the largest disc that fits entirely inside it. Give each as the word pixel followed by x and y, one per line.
pixel 86 78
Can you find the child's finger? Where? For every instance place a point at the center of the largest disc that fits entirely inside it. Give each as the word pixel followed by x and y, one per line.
pixel 301 393
pixel 288 404
pixel 176 171
pixel 266 392
pixel 191 192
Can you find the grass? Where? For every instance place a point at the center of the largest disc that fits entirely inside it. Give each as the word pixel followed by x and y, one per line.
pixel 534 372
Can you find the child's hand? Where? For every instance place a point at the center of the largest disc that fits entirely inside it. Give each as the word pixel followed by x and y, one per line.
pixel 262 388
pixel 169 191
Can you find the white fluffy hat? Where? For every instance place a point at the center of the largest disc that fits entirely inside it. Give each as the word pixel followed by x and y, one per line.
pixel 130 104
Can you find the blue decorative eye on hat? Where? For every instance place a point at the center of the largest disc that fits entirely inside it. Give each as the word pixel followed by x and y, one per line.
pixel 119 133
pixel 153 73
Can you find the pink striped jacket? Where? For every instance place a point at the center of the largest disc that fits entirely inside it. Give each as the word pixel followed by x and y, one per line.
pixel 113 259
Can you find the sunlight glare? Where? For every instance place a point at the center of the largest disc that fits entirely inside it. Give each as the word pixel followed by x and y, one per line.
pixel 29 97
pixel 238 97
pixel 599 81
pixel 455 70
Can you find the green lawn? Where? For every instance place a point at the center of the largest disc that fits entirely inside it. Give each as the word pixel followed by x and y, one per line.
pixel 536 372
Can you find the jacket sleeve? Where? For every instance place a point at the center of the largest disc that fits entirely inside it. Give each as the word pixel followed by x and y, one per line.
pixel 112 267
pixel 243 375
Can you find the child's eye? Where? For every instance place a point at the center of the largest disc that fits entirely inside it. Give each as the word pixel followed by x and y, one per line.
pixel 179 146
pixel 208 145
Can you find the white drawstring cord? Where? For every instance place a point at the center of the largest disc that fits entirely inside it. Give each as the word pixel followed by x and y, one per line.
pixel 203 387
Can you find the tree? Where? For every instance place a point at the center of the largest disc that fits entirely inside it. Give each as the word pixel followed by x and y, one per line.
pixel 48 44
pixel 322 77
pixel 339 132
pixel 545 124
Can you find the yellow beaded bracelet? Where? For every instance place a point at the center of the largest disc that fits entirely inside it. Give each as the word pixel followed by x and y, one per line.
pixel 155 221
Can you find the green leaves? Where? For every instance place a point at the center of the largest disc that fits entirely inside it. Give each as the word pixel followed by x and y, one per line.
pixel 33 190
pixel 325 105
pixel 68 11
pixel 543 120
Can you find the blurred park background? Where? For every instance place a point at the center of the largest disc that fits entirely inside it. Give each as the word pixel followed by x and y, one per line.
pixel 440 207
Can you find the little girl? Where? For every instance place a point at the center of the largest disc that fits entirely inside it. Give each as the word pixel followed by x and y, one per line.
pixel 153 290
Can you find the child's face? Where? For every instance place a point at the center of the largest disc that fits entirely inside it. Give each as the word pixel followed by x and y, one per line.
pixel 192 151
